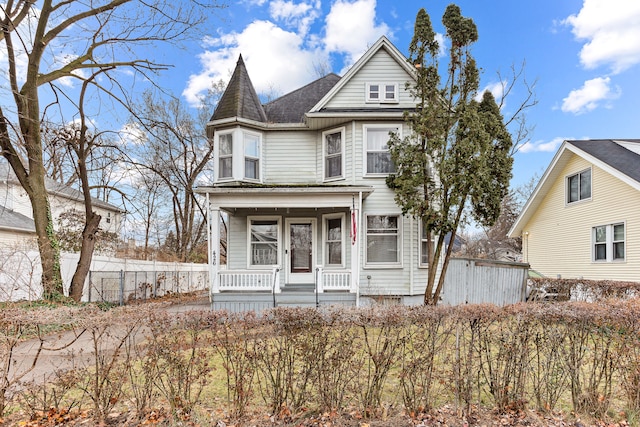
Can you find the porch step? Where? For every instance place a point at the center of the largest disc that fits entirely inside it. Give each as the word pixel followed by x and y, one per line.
pixel 299 287
pixel 296 299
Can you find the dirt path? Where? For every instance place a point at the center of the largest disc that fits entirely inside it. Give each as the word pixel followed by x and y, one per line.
pixel 38 362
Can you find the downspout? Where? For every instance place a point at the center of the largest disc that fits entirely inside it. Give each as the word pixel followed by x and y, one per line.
pixel 412 264
pixel 358 246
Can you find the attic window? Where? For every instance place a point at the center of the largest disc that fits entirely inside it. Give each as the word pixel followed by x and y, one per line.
pixel 382 92
pixel 579 186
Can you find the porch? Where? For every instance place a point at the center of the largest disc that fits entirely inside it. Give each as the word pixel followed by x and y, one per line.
pixel 285 246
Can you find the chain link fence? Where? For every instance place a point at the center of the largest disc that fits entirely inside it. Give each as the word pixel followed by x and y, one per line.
pixel 122 287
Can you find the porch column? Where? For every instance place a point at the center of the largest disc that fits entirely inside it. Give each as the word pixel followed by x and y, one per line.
pixel 214 248
pixel 356 238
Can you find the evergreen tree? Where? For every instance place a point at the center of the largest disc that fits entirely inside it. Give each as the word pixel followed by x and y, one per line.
pixel 458 152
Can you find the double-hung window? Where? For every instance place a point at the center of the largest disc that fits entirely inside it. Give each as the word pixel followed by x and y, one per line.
pixel 377 151
pixel 383 239
pixel 424 241
pixel 264 242
pixel 225 155
pixel 608 242
pixel 382 92
pixel 251 156
pixel 333 153
pixel 334 240
pixel 579 186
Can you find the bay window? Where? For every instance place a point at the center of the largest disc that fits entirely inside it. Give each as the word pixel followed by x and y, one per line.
pixel 226 156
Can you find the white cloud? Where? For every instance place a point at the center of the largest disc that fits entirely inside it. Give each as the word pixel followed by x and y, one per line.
pixel 611 29
pixel 589 96
pixel 351 28
pixel 277 60
pixel 496 89
pixel 300 15
pixel 282 54
pixel 541 146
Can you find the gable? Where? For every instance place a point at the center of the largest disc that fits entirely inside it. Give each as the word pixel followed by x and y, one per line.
pixel 382 63
pixel 616 161
pixel 380 69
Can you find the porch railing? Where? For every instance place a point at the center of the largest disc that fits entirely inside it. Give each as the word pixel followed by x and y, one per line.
pixel 242 280
pixel 333 280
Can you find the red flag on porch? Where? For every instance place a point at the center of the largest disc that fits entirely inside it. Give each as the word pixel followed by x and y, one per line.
pixel 354 227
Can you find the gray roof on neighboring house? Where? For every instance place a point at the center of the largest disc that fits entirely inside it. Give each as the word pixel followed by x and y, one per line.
pixel 55 188
pixel 291 108
pixel 15 221
pixel 613 153
pixel 240 98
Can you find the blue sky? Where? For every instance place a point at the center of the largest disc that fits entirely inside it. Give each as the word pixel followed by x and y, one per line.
pixel 583 56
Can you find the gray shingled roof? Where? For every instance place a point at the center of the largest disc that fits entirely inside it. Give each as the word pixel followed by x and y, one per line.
pixel 15 221
pixel 291 108
pixel 240 98
pixel 55 188
pixel 613 154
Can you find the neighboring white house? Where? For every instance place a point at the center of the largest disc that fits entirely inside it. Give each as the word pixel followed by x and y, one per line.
pixel 17 229
pixel 301 180
pixel 583 218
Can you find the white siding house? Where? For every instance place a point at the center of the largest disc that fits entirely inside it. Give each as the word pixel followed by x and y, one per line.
pixel 302 182
pixel 16 218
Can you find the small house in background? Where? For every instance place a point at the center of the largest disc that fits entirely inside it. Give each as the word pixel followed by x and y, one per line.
pixel 17 230
pixel 583 218
pixel 301 180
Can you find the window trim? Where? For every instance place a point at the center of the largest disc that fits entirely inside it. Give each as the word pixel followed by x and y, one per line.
pixel 568 187
pixel 325 240
pixel 342 130
pixel 382 93
pixel 365 130
pixel 278 220
pixel 394 264
pixel 219 156
pixel 258 159
pixel 609 243
pixel 420 241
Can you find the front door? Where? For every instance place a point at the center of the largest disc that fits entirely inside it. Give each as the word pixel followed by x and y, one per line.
pixel 300 250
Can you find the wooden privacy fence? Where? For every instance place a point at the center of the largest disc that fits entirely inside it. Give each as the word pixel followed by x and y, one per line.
pixel 476 281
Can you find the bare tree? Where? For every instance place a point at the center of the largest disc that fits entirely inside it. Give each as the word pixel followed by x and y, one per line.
pixel 102 35
pixel 177 151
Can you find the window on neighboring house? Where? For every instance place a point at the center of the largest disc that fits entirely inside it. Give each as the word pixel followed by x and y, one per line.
pixel 608 242
pixel 383 239
pixel 225 155
pixel 378 156
pixel 333 148
pixel 334 240
pixel 251 156
pixel 382 92
pixel 264 241
pixel 579 186
pixel 108 217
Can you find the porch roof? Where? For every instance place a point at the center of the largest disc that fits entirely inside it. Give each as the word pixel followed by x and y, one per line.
pixel 303 196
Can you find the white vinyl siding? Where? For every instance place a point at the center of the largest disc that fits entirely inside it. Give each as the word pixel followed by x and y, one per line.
pixel 291 157
pixel 381 68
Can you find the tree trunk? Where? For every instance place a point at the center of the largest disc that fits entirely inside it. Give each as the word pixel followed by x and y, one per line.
pixel 86 254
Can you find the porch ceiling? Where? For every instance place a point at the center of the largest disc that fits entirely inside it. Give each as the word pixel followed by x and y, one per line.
pixel 228 198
